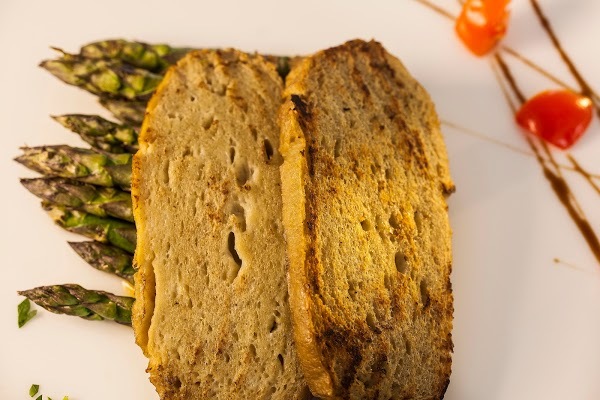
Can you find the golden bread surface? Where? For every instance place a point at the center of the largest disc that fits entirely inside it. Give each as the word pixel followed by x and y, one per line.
pixel 365 179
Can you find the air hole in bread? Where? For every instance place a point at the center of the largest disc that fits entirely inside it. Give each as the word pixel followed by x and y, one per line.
pixel 268 149
pixel 254 132
pixel 424 289
pixel 165 172
pixel 207 122
pixel 226 357
pixel 176 382
pixel 418 220
pixel 407 345
pixel 171 116
pixel 366 225
pixel 400 261
pixel 395 221
pixel 388 173
pixel 252 350
pixel 238 211
pixel 280 358
pixel 352 290
pixel 232 250
pixel 371 322
pixel 242 173
pixel 231 155
pixel 387 281
pixel 273 324
pixel 219 89
pixel 381 228
pixel 192 98
pixel 337 148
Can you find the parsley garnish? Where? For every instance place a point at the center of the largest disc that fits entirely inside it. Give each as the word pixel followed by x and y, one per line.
pixel 25 314
pixel 34 389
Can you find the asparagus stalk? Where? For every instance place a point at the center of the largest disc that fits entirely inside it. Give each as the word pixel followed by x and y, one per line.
pixel 106 230
pixel 127 70
pixel 84 165
pixel 107 258
pixel 110 78
pixel 99 201
pixel 152 57
pixel 101 133
pixel 71 299
pixel 126 111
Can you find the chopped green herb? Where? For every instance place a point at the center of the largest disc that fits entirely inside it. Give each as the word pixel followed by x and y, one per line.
pixel 34 389
pixel 66 398
pixel 25 313
pixel 39 397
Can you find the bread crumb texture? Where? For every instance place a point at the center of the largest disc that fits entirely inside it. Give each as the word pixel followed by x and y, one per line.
pixel 213 313
pixel 365 180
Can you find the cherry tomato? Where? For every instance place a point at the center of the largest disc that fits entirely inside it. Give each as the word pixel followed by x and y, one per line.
pixel 482 23
pixel 559 117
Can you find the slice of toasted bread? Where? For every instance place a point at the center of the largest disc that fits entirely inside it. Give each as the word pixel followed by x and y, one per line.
pixel 212 310
pixel 365 176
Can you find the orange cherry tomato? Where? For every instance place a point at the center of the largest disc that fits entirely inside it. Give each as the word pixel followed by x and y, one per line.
pixel 482 23
pixel 559 117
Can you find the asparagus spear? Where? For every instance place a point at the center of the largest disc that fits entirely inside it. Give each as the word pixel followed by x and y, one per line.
pixel 157 57
pixel 105 71
pixel 74 300
pixel 84 165
pixel 110 78
pixel 107 258
pixel 101 133
pixel 106 230
pixel 153 57
pixel 126 111
pixel 100 201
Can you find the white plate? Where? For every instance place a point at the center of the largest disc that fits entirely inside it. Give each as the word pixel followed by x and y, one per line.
pixel 525 326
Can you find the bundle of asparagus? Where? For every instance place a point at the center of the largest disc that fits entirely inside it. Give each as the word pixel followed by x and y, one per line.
pixel 85 191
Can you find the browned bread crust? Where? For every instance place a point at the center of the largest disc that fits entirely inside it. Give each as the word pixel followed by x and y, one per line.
pixel 365 177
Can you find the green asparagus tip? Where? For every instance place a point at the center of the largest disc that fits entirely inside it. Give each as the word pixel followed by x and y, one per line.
pixel 71 299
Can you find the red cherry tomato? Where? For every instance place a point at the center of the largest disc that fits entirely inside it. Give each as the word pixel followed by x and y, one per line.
pixel 559 117
pixel 482 23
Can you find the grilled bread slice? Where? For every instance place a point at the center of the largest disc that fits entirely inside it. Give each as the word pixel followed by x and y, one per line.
pixel 365 176
pixel 212 311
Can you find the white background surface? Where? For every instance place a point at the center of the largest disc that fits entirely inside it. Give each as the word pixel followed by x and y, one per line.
pixel 525 327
